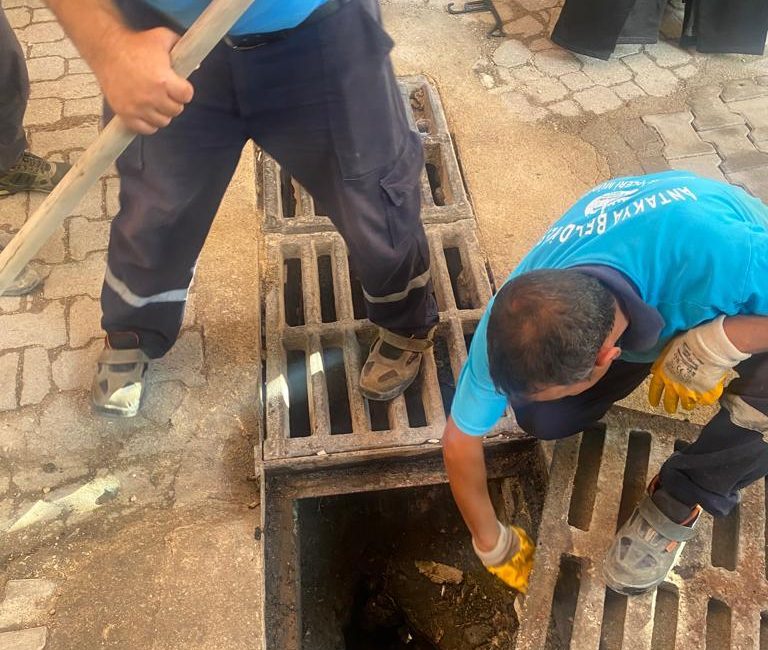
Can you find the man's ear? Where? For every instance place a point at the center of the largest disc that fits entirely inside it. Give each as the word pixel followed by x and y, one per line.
pixel 607 355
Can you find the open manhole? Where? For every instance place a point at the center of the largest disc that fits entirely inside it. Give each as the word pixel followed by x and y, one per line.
pixel 375 556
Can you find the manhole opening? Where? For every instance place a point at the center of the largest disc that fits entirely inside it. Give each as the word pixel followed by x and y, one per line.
pixel 361 588
pixel 298 399
pixel 327 293
pixel 422 110
pixel 585 481
pixel 764 631
pixel 564 604
pixel 288 194
pixel 614 614
pixel 437 175
pixel 725 540
pixel 358 300
pixel 665 618
pixel 635 470
pixel 293 292
pixel 338 397
pixel 378 415
pixel 718 625
pixel 464 293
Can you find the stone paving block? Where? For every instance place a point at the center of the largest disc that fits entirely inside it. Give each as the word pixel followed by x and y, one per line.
pixel 525 73
pixel 91 205
pixel 63 48
pixel 86 236
pixel 84 321
pixel 26 601
pixel 743 89
pixel 73 369
pixel 628 91
pixel 32 639
pixel 9 368
pixel 18 17
pixel 707 165
pixel 46 328
pixel 598 99
pixel 623 49
pixel 78 66
pixel 755 112
pixel 73 86
pixel 524 26
pixel 521 107
pixel 512 53
pixel 654 80
pixel 185 362
pixel 36 376
pixel 667 55
pixel 735 148
pixel 556 62
pixel 42 111
pixel 753 180
pixel 686 71
pixel 76 279
pixel 540 44
pixel 577 80
pixel 546 90
pixel 10 304
pixel 567 108
pixel 709 110
pixel 680 139
pixel 80 137
pixel 537 5
pixel 42 16
pixel 53 251
pixel 45 68
pixel 112 196
pixel 606 73
pixel 13 210
pixel 80 107
pixel 41 33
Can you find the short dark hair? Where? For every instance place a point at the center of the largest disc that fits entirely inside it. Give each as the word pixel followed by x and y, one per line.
pixel 546 328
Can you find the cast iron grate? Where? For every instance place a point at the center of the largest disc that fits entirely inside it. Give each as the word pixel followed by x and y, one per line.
pixel 717 597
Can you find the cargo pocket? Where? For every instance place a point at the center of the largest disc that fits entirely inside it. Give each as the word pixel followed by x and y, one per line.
pixel 401 186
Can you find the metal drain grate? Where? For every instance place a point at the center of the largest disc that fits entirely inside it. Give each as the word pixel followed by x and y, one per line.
pixel 289 208
pixel 317 339
pixel 716 598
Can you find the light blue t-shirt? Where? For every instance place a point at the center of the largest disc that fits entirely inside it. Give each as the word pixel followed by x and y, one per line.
pixel 693 247
pixel 261 17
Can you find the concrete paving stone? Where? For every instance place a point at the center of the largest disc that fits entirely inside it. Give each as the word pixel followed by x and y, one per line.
pixel 78 66
pixel 567 108
pixel 185 362
pixel 41 33
pixel 598 99
pixel 163 400
pixel 79 137
pixel 628 91
pixel 735 148
pixel 686 71
pixel 667 55
pixel 63 48
pixel 556 62
pixel 707 165
pixel 73 86
pixel 753 180
pixel 654 80
pixel 710 111
pixel 13 210
pixel 68 433
pixel 606 73
pixel 18 17
pixel 73 369
pixel 45 68
pixel 743 89
pixel 84 321
pixel 654 164
pixel 512 53
pixel 35 377
pixel 10 304
pixel 91 206
pixel 537 5
pixel 521 107
pixel 86 236
pixel 577 81
pixel 680 139
pixel 53 251
pixel 755 112
pixel 46 328
pixel 26 602
pixel 487 80
pixel 546 90
pixel 33 638
pixel 82 107
pixel 76 278
pixel 525 73
pixel 540 44
pixel 112 195
pixel 42 16
pixel 640 137
pixel 524 26
pixel 42 111
pixel 625 49
pixel 9 368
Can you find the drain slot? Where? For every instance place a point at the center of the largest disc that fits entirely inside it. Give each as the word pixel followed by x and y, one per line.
pixel 634 474
pixel 414 404
pixel 439 183
pixel 421 109
pixel 614 614
pixel 764 631
pixel 293 297
pixel 665 618
pixel 327 295
pixel 585 482
pixel 718 625
pixel 444 372
pixel 564 603
pixel 378 415
pixel 287 194
pixel 358 300
pixel 463 294
pixel 725 540
pixel 338 398
pixel 298 398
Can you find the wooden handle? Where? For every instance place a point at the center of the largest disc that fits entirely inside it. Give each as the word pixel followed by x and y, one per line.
pixel 187 54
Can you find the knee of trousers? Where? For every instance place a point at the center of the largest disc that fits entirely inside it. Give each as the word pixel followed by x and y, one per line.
pixel 544 426
pixel 744 415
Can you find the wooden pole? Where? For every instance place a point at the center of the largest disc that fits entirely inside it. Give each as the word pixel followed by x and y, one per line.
pixel 187 54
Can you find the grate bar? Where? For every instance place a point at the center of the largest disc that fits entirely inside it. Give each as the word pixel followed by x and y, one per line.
pixel 638 622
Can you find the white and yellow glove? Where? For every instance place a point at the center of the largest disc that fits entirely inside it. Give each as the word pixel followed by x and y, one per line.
pixel 512 558
pixel 692 368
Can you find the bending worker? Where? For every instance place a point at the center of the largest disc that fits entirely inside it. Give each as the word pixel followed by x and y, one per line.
pixel 310 81
pixel 661 274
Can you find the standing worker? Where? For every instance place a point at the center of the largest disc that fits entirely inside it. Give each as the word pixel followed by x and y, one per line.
pixel 20 170
pixel 663 274
pixel 310 81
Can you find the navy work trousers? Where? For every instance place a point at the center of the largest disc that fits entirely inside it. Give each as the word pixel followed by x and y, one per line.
pixel 725 458
pixel 325 104
pixel 14 92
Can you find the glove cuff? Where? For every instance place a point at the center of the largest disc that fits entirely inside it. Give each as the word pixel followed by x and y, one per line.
pixel 508 545
pixel 715 344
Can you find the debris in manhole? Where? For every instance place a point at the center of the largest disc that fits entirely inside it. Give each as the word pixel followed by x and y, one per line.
pixel 440 574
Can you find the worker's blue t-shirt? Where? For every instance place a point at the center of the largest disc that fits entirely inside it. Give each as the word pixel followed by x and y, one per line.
pixel 693 248
pixel 261 17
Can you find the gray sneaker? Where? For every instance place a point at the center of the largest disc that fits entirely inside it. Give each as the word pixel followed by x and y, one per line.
pixel 26 282
pixel 120 381
pixel 32 174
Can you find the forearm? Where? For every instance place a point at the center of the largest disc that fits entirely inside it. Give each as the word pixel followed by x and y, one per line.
pixel 748 333
pixel 465 464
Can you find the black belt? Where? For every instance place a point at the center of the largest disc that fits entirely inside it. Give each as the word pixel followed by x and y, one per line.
pixel 250 41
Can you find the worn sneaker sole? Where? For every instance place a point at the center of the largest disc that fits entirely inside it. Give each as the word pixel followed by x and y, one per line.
pixel 390 395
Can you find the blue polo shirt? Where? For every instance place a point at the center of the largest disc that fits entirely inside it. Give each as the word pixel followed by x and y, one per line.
pixel 689 247
pixel 261 17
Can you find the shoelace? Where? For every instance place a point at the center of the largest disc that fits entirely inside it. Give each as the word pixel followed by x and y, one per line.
pixel 31 164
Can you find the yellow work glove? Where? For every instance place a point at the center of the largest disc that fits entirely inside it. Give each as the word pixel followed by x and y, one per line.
pixel 692 368
pixel 512 558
